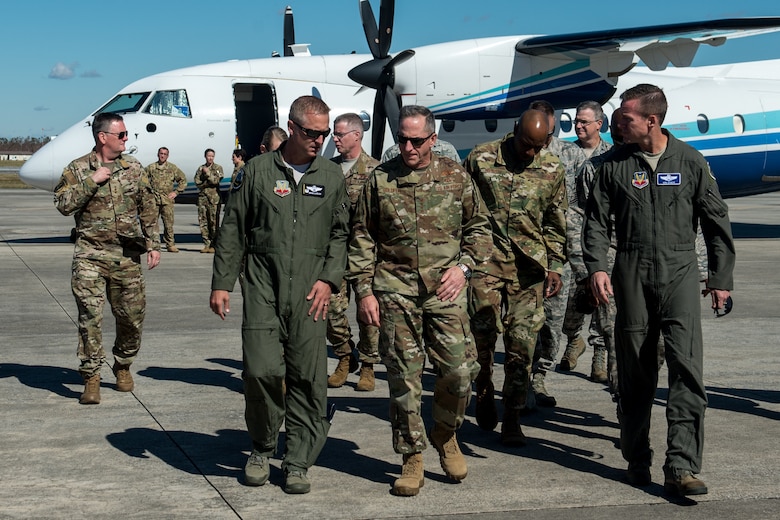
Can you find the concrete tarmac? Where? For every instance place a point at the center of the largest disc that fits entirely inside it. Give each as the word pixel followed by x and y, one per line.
pixel 176 446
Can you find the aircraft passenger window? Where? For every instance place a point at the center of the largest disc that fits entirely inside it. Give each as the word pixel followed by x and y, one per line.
pixel 124 103
pixel 566 124
pixel 169 103
pixel 739 124
pixel 703 123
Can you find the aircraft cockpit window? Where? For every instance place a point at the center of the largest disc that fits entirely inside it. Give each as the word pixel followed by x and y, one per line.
pixel 703 122
pixel 125 103
pixel 169 103
pixel 739 124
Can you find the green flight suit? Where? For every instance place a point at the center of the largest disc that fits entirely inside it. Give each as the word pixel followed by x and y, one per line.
pixel 292 235
pixel 656 285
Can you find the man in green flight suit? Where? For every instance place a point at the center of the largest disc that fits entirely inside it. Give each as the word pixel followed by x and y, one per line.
pixel 289 215
pixel 659 190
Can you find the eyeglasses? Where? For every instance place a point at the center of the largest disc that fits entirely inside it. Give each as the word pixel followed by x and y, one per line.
pixel 416 141
pixel 341 135
pixel 312 134
pixel 582 122
pixel 119 135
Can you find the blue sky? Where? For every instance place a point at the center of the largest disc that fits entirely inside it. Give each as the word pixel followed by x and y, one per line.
pixel 61 60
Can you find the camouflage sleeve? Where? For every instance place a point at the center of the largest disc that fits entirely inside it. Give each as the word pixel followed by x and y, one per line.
pixel 477 234
pixel 701 255
pixel 554 226
pixel 199 178
pixel 148 214
pixel 362 247
pixel 216 175
pixel 72 192
pixel 180 180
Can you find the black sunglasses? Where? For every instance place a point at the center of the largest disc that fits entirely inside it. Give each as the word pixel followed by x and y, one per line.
pixel 416 141
pixel 312 134
pixel 119 135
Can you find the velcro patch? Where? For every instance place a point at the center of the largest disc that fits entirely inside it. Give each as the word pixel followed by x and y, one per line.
pixel 313 190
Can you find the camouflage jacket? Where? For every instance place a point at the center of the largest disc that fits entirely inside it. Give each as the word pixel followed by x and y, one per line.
pixel 410 226
pixel 527 203
pixel 357 176
pixel 163 178
pixel 113 220
pixel 208 182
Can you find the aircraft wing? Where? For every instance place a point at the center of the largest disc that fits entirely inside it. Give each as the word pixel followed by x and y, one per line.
pixel 656 45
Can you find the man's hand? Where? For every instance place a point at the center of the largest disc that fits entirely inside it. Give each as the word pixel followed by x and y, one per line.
pixel 368 310
pixel 719 298
pixel 319 296
pixel 101 175
pixel 552 284
pixel 220 302
pixel 172 195
pixel 601 286
pixel 152 259
pixel 452 282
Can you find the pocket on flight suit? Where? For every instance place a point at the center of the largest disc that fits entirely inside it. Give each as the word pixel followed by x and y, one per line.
pixel 263 352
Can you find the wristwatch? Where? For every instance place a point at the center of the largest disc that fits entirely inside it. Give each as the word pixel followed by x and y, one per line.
pixel 466 271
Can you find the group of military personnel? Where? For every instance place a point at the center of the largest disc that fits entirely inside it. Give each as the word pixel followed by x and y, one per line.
pixel 441 257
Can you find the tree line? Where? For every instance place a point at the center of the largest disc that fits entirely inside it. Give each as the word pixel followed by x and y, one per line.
pixel 22 144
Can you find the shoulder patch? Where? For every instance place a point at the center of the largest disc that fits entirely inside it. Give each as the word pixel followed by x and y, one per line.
pixel 238 181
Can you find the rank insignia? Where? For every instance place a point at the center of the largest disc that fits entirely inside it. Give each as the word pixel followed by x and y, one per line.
pixel 282 188
pixel 668 179
pixel 314 190
pixel 639 180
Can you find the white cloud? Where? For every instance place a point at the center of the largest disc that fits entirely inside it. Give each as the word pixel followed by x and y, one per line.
pixel 62 71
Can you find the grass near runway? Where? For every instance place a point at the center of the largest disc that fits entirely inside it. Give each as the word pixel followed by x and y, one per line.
pixel 11 180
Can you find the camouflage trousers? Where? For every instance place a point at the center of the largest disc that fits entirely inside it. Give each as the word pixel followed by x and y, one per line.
pixel 207 218
pixel 123 283
pixel 340 333
pixel 555 310
pixel 166 214
pixel 412 326
pixel 521 301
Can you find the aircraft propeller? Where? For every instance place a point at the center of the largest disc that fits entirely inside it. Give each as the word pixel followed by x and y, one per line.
pixel 379 73
pixel 289 31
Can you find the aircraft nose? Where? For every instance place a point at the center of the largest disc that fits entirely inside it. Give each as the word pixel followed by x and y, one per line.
pixel 38 170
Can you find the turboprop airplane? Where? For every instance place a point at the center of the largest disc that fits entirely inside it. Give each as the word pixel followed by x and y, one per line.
pixel 475 88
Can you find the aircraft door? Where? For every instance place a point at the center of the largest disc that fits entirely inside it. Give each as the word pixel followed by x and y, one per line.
pixel 256 110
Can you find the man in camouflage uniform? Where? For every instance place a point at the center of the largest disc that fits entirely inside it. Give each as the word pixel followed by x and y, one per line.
pixel 167 181
pixel 549 339
pixel 419 230
pixel 356 165
pixel 523 187
pixel 116 222
pixel 587 123
pixel 207 179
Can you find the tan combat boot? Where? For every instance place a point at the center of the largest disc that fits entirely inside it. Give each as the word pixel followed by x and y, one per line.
pixel 124 379
pixel 91 393
pixel 346 365
pixel 172 249
pixel 367 381
pixel 452 461
pixel 598 368
pixel 573 352
pixel 412 476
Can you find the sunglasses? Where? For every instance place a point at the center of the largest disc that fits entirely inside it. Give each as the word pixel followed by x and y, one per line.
pixel 416 141
pixel 312 134
pixel 119 135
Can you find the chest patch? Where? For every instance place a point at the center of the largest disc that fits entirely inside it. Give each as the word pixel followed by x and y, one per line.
pixel 668 179
pixel 639 180
pixel 282 188
pixel 313 190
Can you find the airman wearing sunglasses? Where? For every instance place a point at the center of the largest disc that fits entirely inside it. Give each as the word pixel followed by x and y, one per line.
pixel 419 230
pixel 523 187
pixel 116 222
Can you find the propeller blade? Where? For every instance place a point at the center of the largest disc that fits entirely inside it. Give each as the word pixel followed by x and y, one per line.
pixel 392 110
pixel 386 14
pixel 289 31
pixel 369 28
pixel 378 125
